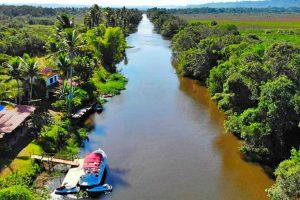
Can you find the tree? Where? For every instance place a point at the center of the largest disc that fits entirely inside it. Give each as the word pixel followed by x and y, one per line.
pixel 113 46
pixel 30 71
pixel 93 17
pixel 63 21
pixel 70 43
pixel 64 64
pixel 287 179
pixel 171 27
pixel 15 72
pixel 193 63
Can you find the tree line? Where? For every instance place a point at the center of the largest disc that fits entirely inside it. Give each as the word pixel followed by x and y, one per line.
pixel 256 83
pixel 127 19
pixel 166 24
pixel 9 11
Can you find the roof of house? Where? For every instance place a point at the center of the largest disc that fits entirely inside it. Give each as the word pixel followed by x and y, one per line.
pixel 11 118
pixel 48 72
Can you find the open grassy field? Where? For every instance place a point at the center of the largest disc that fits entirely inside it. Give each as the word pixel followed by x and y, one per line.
pixel 249 21
pixel 288 35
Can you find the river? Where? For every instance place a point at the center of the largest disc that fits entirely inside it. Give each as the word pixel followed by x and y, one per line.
pixel 164 137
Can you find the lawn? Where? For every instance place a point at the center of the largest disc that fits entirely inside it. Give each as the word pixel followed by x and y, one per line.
pixel 22 162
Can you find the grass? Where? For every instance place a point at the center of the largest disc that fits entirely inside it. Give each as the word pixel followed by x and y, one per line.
pixel 269 27
pixel 249 21
pixel 22 162
pixel 290 36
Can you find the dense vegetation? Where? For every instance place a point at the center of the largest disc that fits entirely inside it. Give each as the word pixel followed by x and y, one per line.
pixel 127 19
pixel 256 83
pixel 9 11
pixel 166 24
pixel 84 55
pixel 235 10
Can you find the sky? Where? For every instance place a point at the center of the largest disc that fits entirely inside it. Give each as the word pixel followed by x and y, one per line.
pixel 115 2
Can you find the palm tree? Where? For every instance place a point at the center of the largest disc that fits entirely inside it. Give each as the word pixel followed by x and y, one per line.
pixel 15 71
pixel 93 17
pixel 70 43
pixel 64 64
pixel 30 71
pixel 63 21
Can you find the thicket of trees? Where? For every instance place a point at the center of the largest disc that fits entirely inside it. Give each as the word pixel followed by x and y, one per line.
pixel 9 11
pixel 166 24
pixel 256 83
pixel 127 19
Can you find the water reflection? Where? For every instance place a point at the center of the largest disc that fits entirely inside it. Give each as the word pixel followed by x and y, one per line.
pixel 164 137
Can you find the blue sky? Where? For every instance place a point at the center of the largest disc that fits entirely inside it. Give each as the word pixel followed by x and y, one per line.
pixel 115 2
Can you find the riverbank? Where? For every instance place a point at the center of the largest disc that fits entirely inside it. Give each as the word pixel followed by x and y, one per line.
pixel 242 74
pixel 80 71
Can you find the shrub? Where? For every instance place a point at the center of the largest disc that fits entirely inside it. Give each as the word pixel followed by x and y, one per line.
pixel 16 192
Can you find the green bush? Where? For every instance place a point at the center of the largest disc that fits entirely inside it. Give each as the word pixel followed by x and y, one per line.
pixel 16 193
pixel 287 179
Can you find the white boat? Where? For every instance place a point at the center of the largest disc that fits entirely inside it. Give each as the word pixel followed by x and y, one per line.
pixel 94 166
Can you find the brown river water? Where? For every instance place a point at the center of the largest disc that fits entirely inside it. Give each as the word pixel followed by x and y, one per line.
pixel 164 137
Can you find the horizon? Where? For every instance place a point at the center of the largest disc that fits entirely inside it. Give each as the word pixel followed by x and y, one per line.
pixel 118 3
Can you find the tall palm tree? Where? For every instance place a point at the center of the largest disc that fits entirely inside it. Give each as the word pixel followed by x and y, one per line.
pixel 93 17
pixel 63 21
pixel 64 64
pixel 31 71
pixel 15 71
pixel 70 43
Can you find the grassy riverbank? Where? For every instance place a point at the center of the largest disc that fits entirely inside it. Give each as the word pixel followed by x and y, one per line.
pixel 253 76
pixel 84 56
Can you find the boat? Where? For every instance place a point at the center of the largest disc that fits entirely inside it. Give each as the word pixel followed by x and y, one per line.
pixel 70 182
pixel 94 165
pixel 99 189
pixel 99 108
pixel 63 190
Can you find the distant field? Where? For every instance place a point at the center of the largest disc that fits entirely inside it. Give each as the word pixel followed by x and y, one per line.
pixel 249 21
pixel 286 35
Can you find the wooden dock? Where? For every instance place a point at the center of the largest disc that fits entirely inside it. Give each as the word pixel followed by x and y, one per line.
pixel 74 163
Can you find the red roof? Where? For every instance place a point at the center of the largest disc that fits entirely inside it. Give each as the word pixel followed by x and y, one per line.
pixel 48 71
pixel 10 119
pixel 92 160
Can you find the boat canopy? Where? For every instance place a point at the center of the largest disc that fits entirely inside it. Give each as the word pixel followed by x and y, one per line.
pixel 92 161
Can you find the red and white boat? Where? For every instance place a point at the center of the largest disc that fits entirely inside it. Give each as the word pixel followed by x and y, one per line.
pixel 94 165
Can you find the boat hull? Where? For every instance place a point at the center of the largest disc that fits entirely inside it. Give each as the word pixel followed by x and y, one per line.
pixel 99 189
pixel 94 179
pixel 66 191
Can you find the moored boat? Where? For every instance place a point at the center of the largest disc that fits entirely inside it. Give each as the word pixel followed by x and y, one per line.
pixel 94 166
pixel 99 189
pixel 63 190
pixel 70 182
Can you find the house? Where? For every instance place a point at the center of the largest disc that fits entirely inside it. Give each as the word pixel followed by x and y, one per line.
pixel 13 120
pixel 51 76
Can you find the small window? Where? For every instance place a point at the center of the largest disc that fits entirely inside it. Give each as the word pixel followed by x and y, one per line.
pixel 55 78
pixel 51 80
